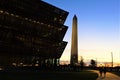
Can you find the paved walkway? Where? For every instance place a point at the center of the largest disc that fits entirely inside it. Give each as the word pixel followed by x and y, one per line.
pixel 109 76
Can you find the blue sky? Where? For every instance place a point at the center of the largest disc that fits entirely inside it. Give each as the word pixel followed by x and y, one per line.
pixel 98 28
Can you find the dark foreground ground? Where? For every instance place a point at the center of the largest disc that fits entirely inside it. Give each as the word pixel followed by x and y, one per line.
pixel 44 75
pixel 117 73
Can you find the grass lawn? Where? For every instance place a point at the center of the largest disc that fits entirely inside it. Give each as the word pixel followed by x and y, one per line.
pixel 84 75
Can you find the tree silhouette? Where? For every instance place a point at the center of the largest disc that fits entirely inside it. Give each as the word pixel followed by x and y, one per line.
pixel 81 63
pixel 93 63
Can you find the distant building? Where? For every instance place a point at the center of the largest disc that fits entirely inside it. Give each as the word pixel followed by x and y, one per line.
pixel 31 32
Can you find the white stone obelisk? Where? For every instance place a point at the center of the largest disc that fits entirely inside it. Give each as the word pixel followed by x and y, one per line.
pixel 74 43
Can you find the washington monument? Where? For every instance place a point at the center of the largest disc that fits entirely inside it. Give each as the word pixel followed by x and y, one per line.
pixel 74 44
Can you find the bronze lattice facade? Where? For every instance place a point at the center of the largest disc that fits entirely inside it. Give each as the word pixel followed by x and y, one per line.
pixel 31 31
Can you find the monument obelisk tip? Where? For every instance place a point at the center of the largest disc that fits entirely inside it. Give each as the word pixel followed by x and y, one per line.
pixel 75 16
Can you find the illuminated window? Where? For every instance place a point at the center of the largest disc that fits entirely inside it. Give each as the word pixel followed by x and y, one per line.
pixel 60 29
pixel 60 20
pixel 34 21
pixel 30 19
pixel 55 19
pixel 42 23
pixel 48 25
pixel 16 16
pixel 57 11
pixel 38 22
pixel 6 13
pixel 12 14
pixel 26 18
pixel 1 11
pixel 14 64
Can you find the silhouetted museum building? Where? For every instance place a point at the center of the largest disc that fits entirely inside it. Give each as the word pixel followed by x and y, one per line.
pixel 31 32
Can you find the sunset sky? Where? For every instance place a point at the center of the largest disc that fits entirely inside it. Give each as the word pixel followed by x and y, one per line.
pixel 98 28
